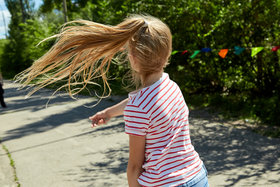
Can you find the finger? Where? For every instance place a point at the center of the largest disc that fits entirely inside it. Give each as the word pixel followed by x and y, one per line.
pixel 93 125
pixel 101 121
pixel 96 123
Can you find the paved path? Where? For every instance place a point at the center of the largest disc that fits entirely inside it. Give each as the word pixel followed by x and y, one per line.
pixel 56 146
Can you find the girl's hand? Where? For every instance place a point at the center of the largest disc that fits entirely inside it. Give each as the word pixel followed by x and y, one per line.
pixel 105 115
pixel 99 118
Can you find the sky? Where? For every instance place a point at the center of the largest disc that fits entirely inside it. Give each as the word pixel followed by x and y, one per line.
pixel 5 16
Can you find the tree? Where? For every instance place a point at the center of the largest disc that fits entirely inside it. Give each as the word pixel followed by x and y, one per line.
pixel 26 30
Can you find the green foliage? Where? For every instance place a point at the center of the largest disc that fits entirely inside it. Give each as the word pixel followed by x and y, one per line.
pixel 21 49
pixel 3 42
pixel 24 34
pixel 238 82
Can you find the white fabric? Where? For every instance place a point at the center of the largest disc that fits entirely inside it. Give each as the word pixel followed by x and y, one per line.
pixel 159 113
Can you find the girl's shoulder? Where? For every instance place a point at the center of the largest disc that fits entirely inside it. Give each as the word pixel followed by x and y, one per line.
pixel 147 95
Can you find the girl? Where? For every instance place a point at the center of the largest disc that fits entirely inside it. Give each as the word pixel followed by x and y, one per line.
pixel 156 115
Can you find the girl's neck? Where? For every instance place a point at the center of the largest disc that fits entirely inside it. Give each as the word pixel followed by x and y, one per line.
pixel 151 79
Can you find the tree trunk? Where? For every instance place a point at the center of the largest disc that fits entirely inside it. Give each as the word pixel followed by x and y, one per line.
pixel 23 14
pixel 65 11
pixel 6 35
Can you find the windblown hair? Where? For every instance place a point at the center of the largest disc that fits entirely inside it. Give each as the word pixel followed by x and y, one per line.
pixel 84 52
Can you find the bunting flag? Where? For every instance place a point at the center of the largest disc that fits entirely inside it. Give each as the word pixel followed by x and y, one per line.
pixel 256 50
pixel 275 48
pixel 184 52
pixel 174 52
pixel 238 50
pixel 223 53
pixel 195 53
pixel 207 49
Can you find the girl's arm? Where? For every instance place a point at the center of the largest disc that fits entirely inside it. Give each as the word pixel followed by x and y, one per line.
pixel 136 159
pixel 103 116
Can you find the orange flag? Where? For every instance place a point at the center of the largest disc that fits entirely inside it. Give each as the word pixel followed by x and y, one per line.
pixel 223 53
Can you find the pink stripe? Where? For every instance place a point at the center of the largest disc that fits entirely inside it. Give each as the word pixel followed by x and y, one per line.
pixel 164 140
pixel 165 100
pixel 184 125
pixel 132 127
pixel 183 120
pixel 169 111
pixel 170 127
pixel 148 139
pixel 164 160
pixel 166 116
pixel 165 106
pixel 185 131
pixel 173 168
pixel 188 176
pixel 133 99
pixel 173 119
pixel 167 120
pixel 179 110
pixel 135 111
pixel 169 173
pixel 168 153
pixel 136 117
pixel 157 94
pixel 185 177
pixel 154 90
pixel 148 148
pixel 190 150
pixel 136 122
pixel 166 136
pixel 144 92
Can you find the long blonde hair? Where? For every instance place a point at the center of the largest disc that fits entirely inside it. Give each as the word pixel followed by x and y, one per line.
pixel 84 52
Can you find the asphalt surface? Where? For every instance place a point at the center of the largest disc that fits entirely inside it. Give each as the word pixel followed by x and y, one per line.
pixel 56 146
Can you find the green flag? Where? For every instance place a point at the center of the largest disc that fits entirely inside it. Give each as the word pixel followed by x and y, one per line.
pixel 256 50
pixel 174 52
pixel 195 53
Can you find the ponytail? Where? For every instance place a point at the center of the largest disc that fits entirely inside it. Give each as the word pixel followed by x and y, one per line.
pixel 81 54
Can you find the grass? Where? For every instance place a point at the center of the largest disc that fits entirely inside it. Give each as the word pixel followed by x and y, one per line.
pixel 12 164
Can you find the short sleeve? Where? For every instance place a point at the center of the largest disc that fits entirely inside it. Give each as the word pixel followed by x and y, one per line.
pixel 136 120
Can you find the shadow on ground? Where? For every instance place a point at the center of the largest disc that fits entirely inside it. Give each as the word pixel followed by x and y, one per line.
pixel 114 163
pixel 16 102
pixel 38 101
pixel 237 154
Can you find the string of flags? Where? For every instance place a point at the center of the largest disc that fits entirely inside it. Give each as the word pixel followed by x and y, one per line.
pixel 223 52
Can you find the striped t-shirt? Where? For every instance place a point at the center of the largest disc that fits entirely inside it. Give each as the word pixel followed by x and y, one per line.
pixel 159 113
